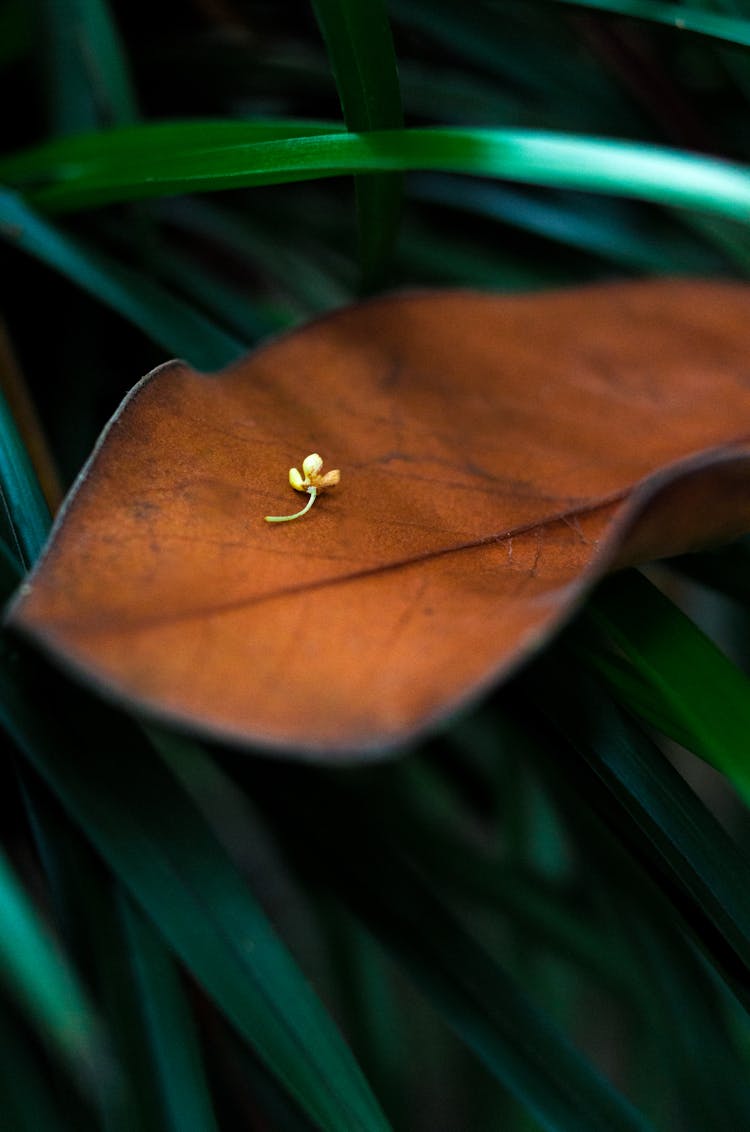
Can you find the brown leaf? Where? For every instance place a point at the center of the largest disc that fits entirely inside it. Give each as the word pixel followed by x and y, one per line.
pixel 497 456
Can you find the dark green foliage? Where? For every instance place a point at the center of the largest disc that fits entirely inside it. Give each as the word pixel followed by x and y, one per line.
pixel 533 920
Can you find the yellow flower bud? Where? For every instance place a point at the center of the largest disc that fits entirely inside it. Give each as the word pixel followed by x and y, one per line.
pixel 295 479
pixel 312 482
pixel 312 466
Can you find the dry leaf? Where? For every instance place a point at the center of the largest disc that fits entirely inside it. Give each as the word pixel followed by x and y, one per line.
pixel 497 455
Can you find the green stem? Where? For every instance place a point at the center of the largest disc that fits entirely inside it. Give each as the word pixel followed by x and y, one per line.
pixel 312 491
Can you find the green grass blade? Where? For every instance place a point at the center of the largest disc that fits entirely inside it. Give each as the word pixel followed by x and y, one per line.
pixel 37 975
pixel 298 271
pixel 613 238
pixel 84 900
pixel 516 1042
pixel 101 57
pixel 639 794
pixel 170 1029
pixel 140 144
pixel 635 692
pixel 26 1100
pixel 158 845
pixel 21 496
pixel 86 70
pixel 538 62
pixel 372 1012
pixel 489 42
pixel 686 1012
pixel 171 323
pixel 519 896
pixel 713 25
pixel 10 571
pixel 360 49
pixel 228 305
pixel 191 274
pixel 685 1062
pixel 653 173
pixel 69 98
pixel 682 683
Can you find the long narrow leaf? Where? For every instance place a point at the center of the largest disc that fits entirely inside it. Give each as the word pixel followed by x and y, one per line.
pixel 158 845
pixel 37 974
pixel 519 1045
pixel 494 41
pixel 69 97
pixel 10 571
pixel 360 48
pixel 300 273
pixel 88 81
pixel 635 788
pixel 26 1100
pixel 612 238
pixel 686 1012
pixel 652 173
pixel 23 502
pixel 685 1063
pixel 713 25
pixel 426 827
pixel 141 143
pixel 170 1028
pixel 84 900
pixel 692 691
pixel 173 324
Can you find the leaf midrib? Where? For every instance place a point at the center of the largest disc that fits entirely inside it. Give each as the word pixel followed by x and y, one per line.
pixel 310 585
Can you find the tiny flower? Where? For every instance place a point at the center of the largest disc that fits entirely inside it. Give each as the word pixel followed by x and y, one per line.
pixel 309 480
pixel 311 467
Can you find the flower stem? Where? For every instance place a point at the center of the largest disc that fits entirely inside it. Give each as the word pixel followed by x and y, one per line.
pixel 312 492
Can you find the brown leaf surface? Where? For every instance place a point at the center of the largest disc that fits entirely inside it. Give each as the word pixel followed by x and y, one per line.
pixel 497 456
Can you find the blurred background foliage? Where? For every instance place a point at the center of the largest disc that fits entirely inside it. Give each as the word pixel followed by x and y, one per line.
pixel 540 917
